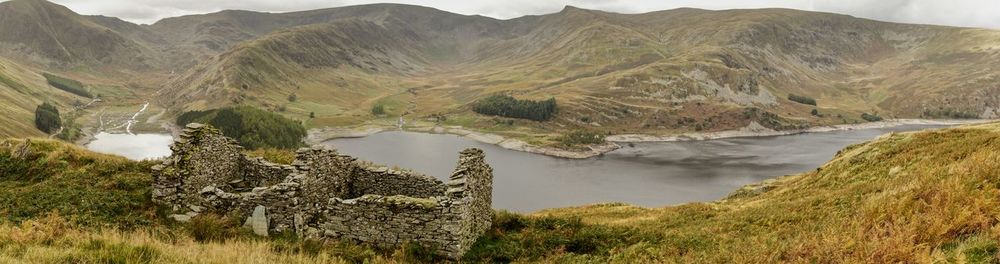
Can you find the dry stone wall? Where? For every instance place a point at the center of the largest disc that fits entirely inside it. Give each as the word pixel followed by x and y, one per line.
pixel 325 195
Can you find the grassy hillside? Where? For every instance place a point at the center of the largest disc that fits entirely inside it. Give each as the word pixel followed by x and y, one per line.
pixel 665 72
pixel 905 197
pixel 53 35
pixel 658 73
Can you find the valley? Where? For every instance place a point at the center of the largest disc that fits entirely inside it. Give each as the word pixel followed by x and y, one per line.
pixel 583 136
pixel 653 74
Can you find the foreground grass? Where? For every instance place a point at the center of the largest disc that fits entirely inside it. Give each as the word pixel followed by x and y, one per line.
pixel 909 197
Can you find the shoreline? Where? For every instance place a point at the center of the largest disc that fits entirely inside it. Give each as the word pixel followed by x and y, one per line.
pixel 760 131
pixel 319 135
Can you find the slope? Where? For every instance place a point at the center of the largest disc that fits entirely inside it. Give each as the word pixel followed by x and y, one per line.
pixel 907 197
pixel 657 73
pixel 52 35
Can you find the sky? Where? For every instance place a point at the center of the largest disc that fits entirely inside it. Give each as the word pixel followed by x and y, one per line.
pixel 965 13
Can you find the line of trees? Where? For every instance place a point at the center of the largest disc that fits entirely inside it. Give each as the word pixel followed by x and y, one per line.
pixel 507 106
pixel 47 118
pixel 253 128
pixel 871 117
pixel 802 99
pixel 66 84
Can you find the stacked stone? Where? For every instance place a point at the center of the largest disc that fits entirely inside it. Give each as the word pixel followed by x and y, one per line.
pixel 388 182
pixel 326 195
pixel 167 178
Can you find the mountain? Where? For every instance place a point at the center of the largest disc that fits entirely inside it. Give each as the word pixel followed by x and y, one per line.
pixel 662 72
pixel 55 36
pixel 676 70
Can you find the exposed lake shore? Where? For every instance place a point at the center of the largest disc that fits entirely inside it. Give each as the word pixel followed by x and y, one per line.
pixel 319 135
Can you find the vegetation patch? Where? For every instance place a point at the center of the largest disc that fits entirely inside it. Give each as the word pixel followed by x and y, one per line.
pixel 507 106
pixel 47 118
pixel 67 84
pixel 253 128
pixel 582 137
pixel 40 177
pixel 802 99
pixel 71 131
pixel 274 155
pixel 949 113
pixel 871 117
pixel 378 109
pixel 518 238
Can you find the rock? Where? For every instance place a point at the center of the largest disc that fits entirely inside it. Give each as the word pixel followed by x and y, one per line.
pixel 258 221
pixel 181 218
pixel 208 189
pixel 197 209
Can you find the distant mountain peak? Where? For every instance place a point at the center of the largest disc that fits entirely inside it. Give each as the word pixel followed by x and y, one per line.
pixel 572 9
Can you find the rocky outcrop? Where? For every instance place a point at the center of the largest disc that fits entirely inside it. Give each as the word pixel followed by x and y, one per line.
pixel 325 195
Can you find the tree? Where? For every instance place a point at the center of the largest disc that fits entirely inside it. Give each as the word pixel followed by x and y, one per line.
pixel 47 118
pixel 293 97
pixel 253 128
pixel 68 85
pixel 312 114
pixel 815 112
pixel 802 99
pixel 871 117
pixel 378 109
pixel 507 106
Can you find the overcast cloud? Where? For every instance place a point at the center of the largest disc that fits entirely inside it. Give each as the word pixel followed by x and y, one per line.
pixel 967 13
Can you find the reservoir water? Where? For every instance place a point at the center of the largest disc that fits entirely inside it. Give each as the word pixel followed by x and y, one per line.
pixel 135 147
pixel 645 174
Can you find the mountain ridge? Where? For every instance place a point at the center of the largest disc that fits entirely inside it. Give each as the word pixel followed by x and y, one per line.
pixel 660 72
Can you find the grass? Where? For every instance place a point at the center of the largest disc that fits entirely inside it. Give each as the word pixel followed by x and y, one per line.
pixel 279 156
pixel 902 198
pixel 911 197
pixel 55 177
pixel 13 84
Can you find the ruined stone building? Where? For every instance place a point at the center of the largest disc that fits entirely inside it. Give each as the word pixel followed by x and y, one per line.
pixel 325 195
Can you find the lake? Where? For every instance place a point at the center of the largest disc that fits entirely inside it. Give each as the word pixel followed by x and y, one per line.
pixel 647 174
pixel 135 147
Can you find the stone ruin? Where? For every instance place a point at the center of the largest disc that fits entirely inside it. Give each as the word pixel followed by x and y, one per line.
pixel 325 195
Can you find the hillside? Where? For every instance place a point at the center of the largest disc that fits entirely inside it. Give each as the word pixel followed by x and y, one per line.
pixel 115 60
pixel 52 35
pixel 665 72
pixel 656 73
pixel 907 197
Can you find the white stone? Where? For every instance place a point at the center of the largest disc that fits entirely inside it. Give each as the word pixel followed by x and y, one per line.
pixel 258 221
pixel 181 218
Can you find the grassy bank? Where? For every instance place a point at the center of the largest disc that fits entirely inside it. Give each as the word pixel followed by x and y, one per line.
pixel 905 197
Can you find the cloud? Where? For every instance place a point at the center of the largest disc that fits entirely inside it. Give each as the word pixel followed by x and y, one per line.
pixel 968 13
